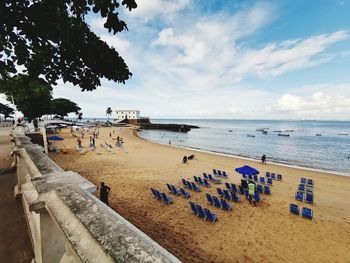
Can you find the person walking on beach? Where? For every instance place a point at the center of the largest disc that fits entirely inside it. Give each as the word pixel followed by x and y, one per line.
pixel 104 192
pixel 263 159
pixel 184 160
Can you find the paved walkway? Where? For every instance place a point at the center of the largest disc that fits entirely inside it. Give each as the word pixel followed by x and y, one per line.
pixel 15 245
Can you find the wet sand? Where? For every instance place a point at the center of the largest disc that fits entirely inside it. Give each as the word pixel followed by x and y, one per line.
pixel 266 233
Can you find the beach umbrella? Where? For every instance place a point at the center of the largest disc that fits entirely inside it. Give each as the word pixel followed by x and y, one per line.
pixel 247 170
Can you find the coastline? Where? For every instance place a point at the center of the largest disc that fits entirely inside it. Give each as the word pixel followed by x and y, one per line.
pixel 142 164
pixel 337 173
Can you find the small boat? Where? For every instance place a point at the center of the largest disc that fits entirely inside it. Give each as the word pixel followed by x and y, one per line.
pixel 250 135
pixel 230 130
pixel 264 132
pixel 283 134
pixel 345 134
pixel 259 129
pixel 277 131
pixel 318 134
pixel 289 130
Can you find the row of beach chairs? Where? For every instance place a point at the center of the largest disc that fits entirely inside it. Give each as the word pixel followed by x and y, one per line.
pixel 220 173
pixel 305 191
pixel 201 181
pixel 255 178
pixel 274 176
pixel 211 178
pixel 231 196
pixel 203 212
pixel 179 191
pixel 161 196
pixel 220 203
pixel 305 212
pixel 190 185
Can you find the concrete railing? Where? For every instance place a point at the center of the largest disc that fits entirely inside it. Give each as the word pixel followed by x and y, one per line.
pixel 66 222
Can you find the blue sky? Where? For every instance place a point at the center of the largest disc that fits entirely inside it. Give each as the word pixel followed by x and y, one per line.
pixel 229 59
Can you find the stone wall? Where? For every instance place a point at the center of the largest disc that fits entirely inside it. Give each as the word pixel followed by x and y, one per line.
pixel 69 224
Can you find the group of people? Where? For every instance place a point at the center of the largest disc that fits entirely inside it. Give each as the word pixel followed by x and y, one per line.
pixel 185 158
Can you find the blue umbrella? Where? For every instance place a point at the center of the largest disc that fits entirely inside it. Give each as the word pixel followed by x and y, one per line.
pixel 247 170
pixel 55 138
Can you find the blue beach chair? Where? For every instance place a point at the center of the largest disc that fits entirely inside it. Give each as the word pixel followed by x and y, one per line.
pixel 235 197
pixel 294 209
pixel 214 180
pixel 220 192
pixel 309 198
pixel 227 195
pixel 195 178
pixel 299 196
pixel 267 190
pixel 307 212
pixel 228 186
pixel 219 173
pixel 244 176
pixel 225 205
pixel 303 180
pixel 154 192
pixel 224 174
pixel 209 215
pixel 217 202
pixel 279 177
pixel 310 182
pixel 175 190
pixel 255 177
pixel 215 172
pixel 184 182
pixel 301 188
pixel 259 188
pixel 166 199
pixel 257 197
pixel 189 185
pixel 169 187
pixel 269 181
pixel 262 180
pixel 309 189
pixel 233 187
pixel 206 176
pixel 184 193
pixel 273 176
pixel 193 208
pixel 209 199
pixel 206 183
pixel 268 174
pixel 195 187
pixel 201 212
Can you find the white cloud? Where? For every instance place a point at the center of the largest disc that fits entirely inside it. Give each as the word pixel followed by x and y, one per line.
pixel 148 9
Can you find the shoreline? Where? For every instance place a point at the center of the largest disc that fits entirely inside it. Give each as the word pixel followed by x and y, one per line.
pixel 337 173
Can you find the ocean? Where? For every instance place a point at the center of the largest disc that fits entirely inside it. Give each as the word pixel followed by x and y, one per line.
pixel 323 145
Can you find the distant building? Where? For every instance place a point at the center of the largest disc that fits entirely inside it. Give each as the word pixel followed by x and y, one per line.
pixel 128 114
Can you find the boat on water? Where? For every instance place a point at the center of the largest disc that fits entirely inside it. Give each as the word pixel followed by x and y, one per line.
pixel 289 130
pixel 230 130
pixel 277 131
pixel 318 134
pixel 250 135
pixel 344 134
pixel 264 132
pixel 283 134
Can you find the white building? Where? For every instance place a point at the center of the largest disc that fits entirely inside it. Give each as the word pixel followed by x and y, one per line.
pixel 128 114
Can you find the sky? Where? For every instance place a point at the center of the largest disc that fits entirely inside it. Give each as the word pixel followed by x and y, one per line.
pixel 228 60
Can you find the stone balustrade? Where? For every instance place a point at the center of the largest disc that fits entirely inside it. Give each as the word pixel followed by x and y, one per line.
pixel 69 224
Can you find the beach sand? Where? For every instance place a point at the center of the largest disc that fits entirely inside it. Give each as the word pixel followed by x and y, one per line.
pixel 266 233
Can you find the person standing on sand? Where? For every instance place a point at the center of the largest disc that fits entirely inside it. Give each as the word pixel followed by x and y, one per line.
pixel 184 160
pixel 104 192
pixel 251 190
pixel 263 159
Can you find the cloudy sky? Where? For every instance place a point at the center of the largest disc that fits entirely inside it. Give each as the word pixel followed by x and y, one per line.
pixel 228 59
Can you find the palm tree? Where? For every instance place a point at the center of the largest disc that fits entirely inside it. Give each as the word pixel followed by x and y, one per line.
pixel 109 112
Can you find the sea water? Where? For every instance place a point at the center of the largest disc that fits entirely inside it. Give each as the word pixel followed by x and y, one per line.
pixel 321 145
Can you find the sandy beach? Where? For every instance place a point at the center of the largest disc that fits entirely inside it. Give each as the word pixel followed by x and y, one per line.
pixel 266 233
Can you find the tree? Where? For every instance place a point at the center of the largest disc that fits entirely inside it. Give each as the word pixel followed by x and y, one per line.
pixel 31 96
pixel 51 38
pixel 80 116
pixel 109 112
pixel 6 110
pixel 62 107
